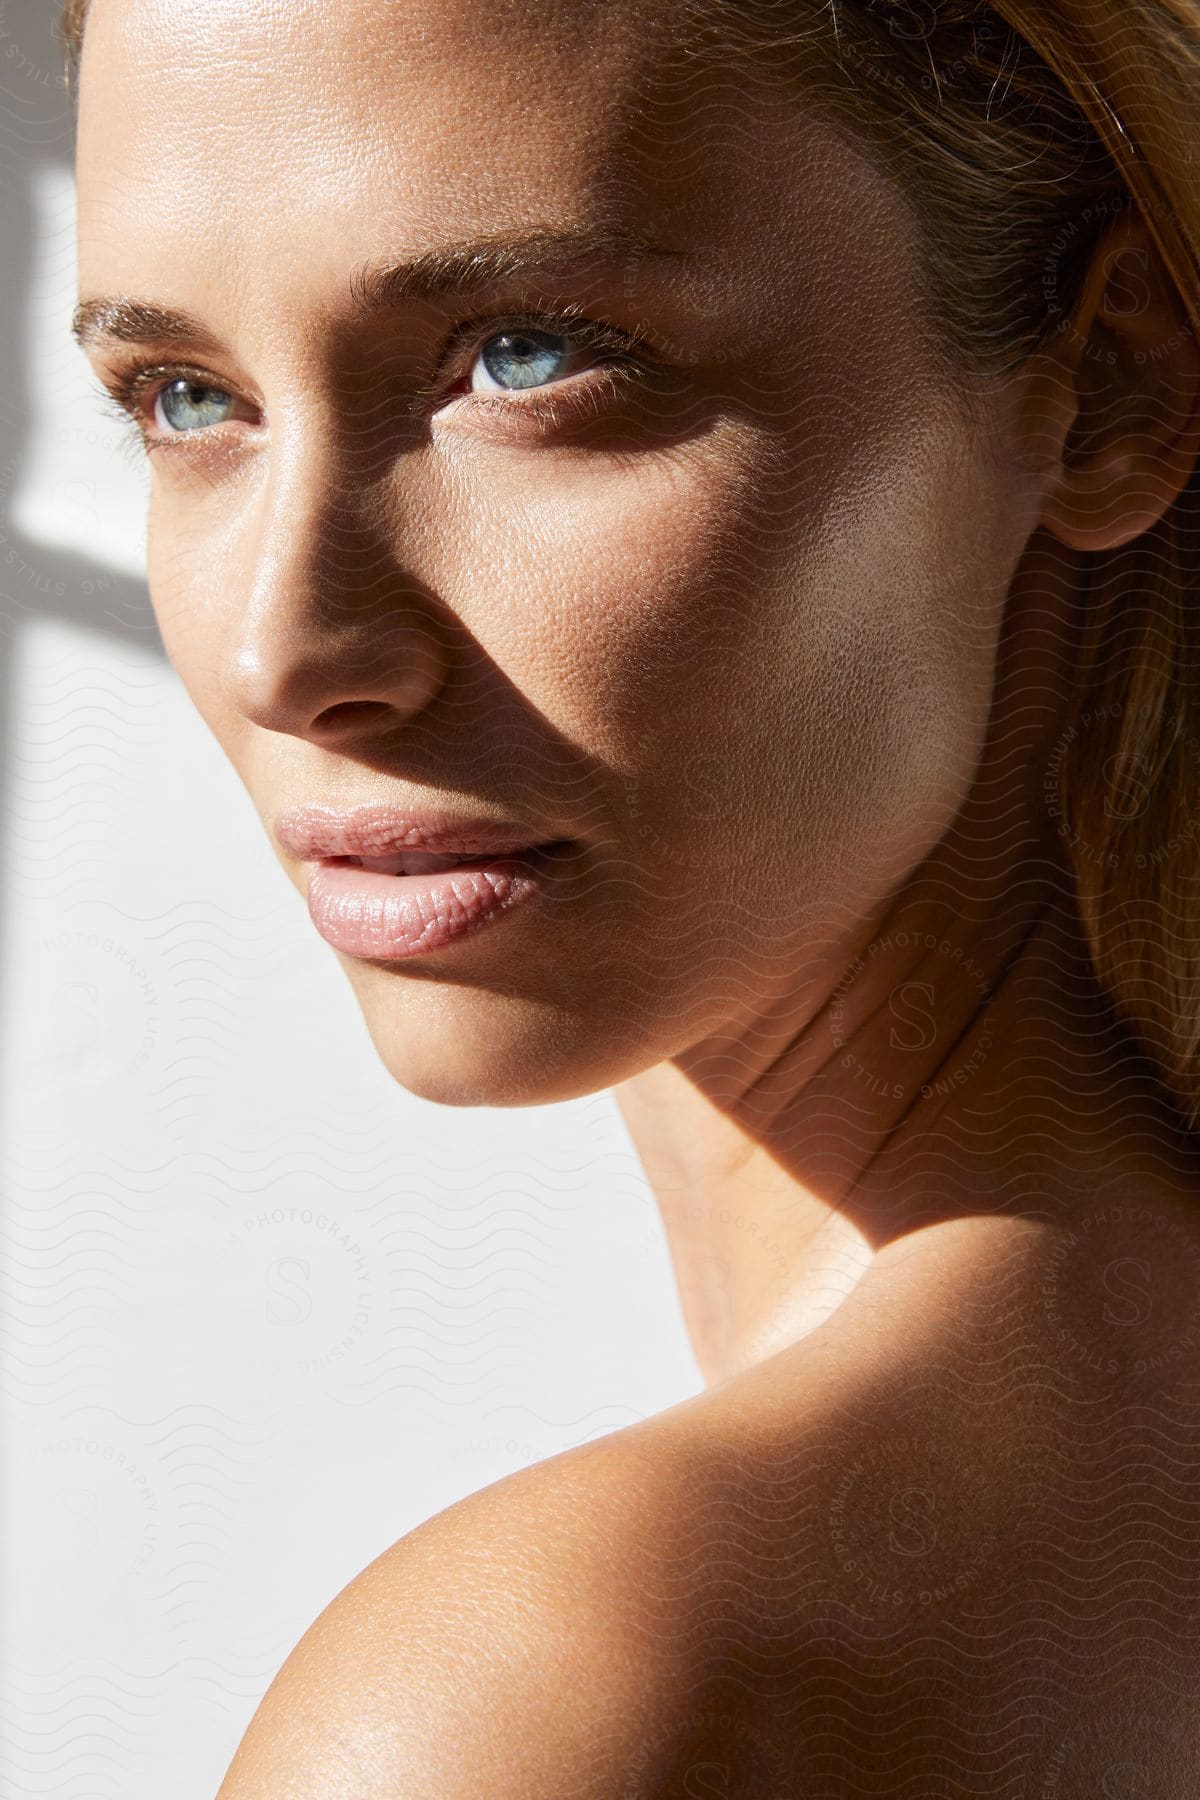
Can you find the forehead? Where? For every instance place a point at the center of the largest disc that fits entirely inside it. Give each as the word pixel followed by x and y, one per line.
pixel 249 116
pixel 255 118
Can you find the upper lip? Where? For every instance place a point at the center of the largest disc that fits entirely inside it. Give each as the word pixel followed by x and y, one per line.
pixel 314 832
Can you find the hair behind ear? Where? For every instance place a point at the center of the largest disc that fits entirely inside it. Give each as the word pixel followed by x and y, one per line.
pixel 1132 67
pixel 1130 787
pixel 1131 764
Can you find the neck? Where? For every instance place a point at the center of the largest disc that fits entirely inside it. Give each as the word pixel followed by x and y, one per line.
pixel 954 1057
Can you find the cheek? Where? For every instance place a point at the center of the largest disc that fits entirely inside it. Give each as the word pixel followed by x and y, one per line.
pixel 754 645
pixel 898 604
pixel 198 584
pixel 601 590
pixel 183 600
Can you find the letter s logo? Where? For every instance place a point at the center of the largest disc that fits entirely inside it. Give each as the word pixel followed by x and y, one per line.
pixel 1124 1781
pixel 290 1303
pixel 81 997
pixel 1126 271
pixel 1133 1297
pixel 1126 790
pixel 913 1530
pixel 81 1503
pixel 914 20
pixel 702 787
pixel 707 1781
pixel 919 1025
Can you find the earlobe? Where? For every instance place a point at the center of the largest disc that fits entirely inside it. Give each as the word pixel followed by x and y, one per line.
pixel 1129 358
pixel 1115 495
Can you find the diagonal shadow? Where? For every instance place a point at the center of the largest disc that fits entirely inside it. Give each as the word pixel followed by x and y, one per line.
pixel 39 581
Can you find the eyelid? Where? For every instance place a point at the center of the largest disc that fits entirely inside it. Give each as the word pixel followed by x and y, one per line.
pixel 543 403
pixel 562 321
pixel 126 388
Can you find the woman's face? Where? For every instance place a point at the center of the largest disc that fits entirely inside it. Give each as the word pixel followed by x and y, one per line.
pixel 718 606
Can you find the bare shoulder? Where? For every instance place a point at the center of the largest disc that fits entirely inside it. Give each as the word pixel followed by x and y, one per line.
pixel 620 1620
pixel 943 1512
pixel 973 1517
pixel 531 1640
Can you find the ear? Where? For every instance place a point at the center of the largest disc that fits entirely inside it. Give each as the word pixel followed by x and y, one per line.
pixel 1125 370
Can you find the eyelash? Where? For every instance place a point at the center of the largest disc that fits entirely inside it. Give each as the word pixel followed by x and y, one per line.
pixel 126 390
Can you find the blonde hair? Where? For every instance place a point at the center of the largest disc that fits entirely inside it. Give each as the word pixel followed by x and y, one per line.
pixel 1024 128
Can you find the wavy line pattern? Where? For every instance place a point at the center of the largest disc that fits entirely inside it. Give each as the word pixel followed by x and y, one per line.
pixel 262 1311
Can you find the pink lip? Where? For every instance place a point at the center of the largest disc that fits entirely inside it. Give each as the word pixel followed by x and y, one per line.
pixel 363 912
pixel 313 832
pixel 390 917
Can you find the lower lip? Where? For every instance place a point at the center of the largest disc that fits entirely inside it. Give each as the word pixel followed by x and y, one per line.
pixel 390 917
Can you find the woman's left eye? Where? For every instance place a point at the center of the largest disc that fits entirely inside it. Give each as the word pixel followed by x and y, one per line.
pixel 520 358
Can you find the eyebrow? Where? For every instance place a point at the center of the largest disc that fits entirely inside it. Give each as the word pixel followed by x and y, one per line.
pixel 446 270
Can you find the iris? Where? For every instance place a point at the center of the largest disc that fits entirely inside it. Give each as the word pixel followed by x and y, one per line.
pixel 186 406
pixel 522 359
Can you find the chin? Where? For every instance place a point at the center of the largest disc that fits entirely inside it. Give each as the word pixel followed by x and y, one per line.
pixel 470 1046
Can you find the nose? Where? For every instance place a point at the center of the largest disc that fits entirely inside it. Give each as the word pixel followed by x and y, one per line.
pixel 335 638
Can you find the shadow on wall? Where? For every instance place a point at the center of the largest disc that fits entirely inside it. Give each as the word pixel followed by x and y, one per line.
pixel 37 128
pixel 36 581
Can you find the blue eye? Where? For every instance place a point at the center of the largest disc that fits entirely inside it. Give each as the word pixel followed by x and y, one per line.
pixel 520 359
pixel 188 406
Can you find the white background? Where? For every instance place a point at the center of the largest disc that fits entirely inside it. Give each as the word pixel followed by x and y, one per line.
pixel 263 1311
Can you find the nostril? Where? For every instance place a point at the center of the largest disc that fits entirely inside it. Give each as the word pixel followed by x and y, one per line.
pixel 347 714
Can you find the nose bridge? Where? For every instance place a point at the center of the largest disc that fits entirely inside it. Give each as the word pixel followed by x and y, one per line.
pixel 330 615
